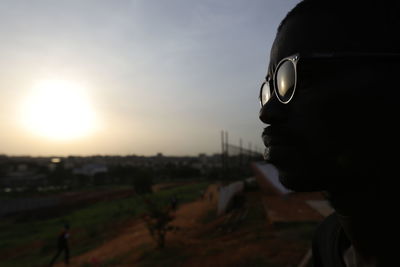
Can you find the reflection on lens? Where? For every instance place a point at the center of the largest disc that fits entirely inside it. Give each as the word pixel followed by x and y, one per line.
pixel 265 93
pixel 285 80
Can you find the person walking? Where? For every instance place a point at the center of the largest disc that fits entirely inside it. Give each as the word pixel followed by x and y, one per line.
pixel 62 245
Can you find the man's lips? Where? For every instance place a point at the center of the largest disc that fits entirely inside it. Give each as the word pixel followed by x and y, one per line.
pixel 276 137
pixel 279 144
pixel 274 141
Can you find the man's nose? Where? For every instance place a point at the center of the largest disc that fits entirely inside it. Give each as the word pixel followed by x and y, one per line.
pixel 273 111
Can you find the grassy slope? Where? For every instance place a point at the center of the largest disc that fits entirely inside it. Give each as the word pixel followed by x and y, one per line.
pixel 34 243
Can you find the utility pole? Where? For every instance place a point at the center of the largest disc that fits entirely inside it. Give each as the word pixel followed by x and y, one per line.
pixel 226 143
pixel 226 151
pixel 223 149
pixel 240 152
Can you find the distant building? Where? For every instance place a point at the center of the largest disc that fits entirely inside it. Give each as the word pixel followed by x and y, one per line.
pixel 23 180
pixel 91 169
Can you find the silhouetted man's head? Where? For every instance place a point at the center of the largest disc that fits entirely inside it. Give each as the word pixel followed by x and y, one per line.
pixel 333 95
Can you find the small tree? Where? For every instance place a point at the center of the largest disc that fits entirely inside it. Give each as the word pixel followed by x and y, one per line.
pixel 157 220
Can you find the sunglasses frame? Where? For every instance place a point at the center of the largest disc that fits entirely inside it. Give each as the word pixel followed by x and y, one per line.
pixel 294 59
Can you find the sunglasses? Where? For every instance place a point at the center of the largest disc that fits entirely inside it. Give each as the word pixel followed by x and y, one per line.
pixel 283 81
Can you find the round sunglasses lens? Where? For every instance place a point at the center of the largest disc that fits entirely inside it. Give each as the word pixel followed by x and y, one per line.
pixel 265 93
pixel 285 81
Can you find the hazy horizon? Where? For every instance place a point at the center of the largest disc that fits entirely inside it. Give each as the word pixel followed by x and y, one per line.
pixel 132 77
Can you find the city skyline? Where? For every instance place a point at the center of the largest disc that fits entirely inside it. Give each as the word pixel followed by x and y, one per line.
pixel 132 77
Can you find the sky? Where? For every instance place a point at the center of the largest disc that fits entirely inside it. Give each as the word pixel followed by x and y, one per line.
pixel 85 77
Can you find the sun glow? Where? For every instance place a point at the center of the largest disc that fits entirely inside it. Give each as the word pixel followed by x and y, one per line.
pixel 58 110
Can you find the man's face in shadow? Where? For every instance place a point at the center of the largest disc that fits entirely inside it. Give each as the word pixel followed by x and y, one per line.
pixel 325 137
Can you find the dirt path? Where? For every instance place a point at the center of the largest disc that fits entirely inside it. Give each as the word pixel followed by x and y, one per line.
pixel 212 242
pixel 130 238
pixel 133 238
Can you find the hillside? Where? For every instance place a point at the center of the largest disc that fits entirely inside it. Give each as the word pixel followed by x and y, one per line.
pixel 242 237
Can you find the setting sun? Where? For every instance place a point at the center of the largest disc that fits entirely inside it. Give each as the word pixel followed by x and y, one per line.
pixel 58 110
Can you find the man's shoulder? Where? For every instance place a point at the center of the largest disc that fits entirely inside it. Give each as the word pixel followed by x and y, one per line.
pixel 327 243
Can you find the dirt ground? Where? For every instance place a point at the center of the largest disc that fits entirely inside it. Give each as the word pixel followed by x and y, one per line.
pixel 201 239
pixel 135 236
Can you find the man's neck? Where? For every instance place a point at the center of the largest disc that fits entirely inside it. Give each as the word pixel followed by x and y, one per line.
pixel 363 250
pixel 359 217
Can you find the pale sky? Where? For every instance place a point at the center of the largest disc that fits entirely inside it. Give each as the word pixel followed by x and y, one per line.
pixel 132 76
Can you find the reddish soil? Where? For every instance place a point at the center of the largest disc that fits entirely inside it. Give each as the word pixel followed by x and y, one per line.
pixel 134 237
pixel 199 241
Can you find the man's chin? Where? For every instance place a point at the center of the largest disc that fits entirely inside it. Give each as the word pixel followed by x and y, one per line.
pixel 295 172
pixel 300 182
